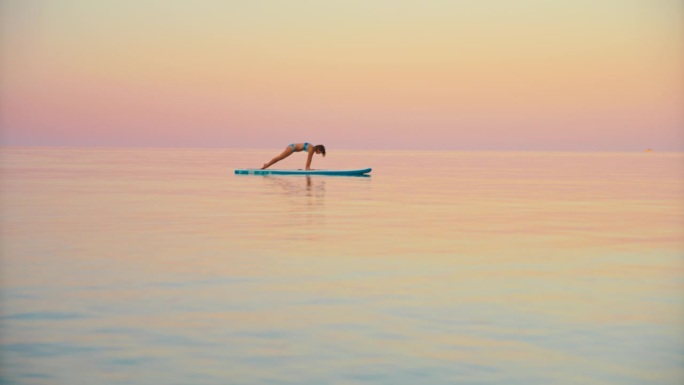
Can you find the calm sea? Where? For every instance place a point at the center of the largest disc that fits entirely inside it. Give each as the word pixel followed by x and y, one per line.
pixel 159 266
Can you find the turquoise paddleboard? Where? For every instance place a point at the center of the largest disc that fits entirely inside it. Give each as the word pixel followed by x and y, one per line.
pixel 256 171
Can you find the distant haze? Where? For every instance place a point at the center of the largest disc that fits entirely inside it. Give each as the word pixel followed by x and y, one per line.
pixel 604 75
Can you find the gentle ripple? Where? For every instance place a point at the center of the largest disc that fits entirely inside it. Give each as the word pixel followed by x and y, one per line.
pixel 153 266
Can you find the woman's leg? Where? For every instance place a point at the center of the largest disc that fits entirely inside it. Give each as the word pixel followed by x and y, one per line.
pixel 285 154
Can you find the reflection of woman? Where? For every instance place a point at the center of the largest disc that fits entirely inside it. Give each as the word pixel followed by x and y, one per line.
pixel 296 147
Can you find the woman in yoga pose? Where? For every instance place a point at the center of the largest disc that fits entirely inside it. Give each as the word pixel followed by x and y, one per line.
pixel 297 147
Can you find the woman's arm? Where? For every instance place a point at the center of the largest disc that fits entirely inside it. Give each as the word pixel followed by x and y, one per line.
pixel 308 159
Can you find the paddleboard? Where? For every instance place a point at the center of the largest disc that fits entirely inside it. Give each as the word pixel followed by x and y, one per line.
pixel 256 171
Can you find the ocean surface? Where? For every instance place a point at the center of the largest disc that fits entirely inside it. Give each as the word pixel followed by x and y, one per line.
pixel 160 266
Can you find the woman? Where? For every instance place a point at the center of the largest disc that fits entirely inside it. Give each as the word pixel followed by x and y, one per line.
pixel 296 147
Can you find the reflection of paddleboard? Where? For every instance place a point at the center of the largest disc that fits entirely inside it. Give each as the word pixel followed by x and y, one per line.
pixel 256 171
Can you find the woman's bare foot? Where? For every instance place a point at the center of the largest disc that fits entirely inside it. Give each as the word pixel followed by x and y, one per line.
pixel 264 166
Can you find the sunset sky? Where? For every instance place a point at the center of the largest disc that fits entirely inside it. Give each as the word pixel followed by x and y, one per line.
pixel 604 75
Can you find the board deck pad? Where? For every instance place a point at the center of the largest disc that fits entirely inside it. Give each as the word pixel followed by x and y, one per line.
pixel 256 171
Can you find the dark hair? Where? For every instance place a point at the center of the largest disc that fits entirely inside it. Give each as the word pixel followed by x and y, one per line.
pixel 320 147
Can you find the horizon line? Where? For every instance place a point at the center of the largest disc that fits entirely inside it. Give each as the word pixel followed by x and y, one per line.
pixel 147 147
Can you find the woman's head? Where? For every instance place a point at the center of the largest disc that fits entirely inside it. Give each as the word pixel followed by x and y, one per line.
pixel 320 149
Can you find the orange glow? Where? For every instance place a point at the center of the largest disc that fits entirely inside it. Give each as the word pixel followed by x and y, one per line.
pixel 530 76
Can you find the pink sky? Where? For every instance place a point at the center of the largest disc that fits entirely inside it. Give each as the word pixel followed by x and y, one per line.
pixel 493 75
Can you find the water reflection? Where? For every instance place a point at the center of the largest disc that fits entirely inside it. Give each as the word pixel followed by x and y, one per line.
pixel 299 202
pixel 295 186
